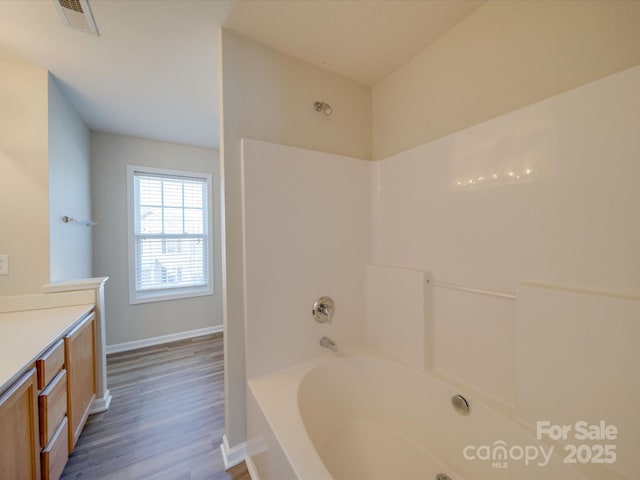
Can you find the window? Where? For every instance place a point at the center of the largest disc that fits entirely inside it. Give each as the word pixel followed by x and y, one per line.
pixel 170 254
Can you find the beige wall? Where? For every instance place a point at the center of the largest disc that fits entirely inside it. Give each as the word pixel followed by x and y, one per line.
pixel 44 160
pixel 69 189
pixel 110 155
pixel 269 96
pixel 503 56
pixel 24 197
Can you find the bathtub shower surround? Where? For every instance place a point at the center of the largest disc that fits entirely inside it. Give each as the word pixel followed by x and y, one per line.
pixel 573 221
pixel 582 348
pixel 397 313
pixel 306 235
pixel 532 217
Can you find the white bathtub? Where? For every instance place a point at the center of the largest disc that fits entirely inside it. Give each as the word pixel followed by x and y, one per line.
pixel 353 417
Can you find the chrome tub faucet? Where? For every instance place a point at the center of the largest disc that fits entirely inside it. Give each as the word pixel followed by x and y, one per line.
pixel 326 342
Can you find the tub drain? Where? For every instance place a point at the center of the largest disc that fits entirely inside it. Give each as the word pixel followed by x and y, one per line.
pixel 443 476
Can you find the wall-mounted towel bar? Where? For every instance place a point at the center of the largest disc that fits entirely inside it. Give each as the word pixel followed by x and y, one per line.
pixel 86 223
pixel 491 293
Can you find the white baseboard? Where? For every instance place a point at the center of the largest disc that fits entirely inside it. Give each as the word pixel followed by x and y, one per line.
pixel 101 404
pixel 251 468
pixel 232 456
pixel 150 342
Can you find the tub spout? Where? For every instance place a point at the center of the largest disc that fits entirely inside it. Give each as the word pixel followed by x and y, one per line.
pixel 326 342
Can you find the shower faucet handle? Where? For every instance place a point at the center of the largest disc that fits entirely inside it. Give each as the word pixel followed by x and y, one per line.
pixel 323 310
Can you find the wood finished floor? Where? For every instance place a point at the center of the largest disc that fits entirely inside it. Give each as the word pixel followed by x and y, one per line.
pixel 166 418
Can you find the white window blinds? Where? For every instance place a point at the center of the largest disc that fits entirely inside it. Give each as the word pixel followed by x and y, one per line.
pixel 171 246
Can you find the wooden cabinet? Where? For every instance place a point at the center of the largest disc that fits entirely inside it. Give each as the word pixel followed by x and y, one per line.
pixel 19 435
pixel 42 413
pixel 80 358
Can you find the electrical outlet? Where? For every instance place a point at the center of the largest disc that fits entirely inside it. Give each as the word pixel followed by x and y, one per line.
pixel 4 264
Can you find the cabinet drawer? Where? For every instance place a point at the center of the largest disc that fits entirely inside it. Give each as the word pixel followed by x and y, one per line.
pixel 55 455
pixel 53 406
pixel 50 364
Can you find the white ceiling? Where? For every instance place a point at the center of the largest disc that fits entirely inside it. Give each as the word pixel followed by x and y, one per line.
pixel 362 40
pixel 152 72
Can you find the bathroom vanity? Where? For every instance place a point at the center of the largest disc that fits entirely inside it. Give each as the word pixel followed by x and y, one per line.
pixel 48 378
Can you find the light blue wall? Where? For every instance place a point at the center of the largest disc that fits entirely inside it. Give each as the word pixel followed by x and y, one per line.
pixel 69 189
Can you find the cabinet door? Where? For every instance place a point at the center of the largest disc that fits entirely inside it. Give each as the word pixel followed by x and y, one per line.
pixel 80 361
pixel 19 436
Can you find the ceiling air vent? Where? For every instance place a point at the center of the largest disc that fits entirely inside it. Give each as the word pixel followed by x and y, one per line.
pixel 76 14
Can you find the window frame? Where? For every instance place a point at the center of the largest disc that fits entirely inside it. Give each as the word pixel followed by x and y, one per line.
pixel 171 293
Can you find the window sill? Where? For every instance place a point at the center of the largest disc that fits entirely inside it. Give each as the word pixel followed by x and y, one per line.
pixel 164 296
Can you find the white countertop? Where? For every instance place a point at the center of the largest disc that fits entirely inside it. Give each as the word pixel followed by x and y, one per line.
pixel 27 334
